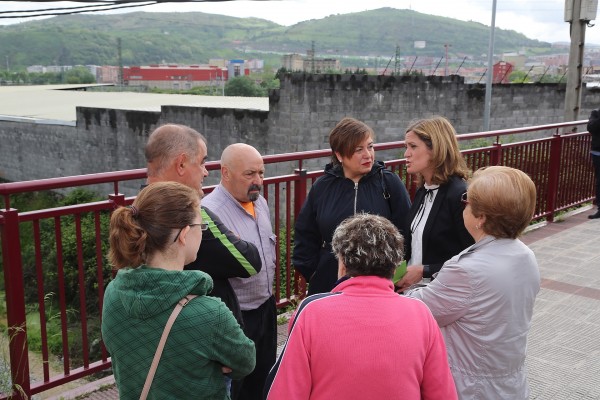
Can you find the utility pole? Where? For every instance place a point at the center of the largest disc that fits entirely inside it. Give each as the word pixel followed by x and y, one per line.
pixel 578 14
pixel 397 66
pixel 487 109
pixel 120 57
pixel 446 45
pixel 312 58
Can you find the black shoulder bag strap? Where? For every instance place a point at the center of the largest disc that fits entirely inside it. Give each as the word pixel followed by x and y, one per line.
pixel 386 194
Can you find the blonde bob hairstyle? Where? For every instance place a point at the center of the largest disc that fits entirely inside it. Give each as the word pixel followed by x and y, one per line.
pixel 440 137
pixel 150 224
pixel 505 196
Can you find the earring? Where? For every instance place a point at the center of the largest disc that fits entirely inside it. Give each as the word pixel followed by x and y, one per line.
pixel 478 226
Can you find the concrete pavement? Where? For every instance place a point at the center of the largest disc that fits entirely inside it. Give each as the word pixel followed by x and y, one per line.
pixel 563 356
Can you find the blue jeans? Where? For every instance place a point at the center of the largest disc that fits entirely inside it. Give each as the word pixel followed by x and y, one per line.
pixel 228 384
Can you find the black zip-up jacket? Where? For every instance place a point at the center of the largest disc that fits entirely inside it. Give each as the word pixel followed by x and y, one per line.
pixel 333 198
pixel 593 127
pixel 223 255
pixel 444 235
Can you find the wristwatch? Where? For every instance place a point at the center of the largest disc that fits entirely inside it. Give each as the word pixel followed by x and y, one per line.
pixel 426 271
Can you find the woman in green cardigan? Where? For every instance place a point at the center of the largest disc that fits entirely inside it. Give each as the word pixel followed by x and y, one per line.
pixel 150 242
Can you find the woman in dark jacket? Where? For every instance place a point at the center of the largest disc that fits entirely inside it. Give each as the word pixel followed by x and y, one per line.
pixel 435 230
pixel 354 182
pixel 593 128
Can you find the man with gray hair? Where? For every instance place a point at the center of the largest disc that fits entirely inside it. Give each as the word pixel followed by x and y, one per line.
pixel 178 153
pixel 237 201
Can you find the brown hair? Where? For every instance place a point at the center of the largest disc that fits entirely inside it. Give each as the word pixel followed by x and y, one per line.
pixel 146 227
pixel 346 136
pixel 440 137
pixel 506 197
pixel 167 142
pixel 368 244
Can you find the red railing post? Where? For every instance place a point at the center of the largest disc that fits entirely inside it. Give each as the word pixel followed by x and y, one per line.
pixel 496 153
pixel 15 303
pixel 117 199
pixel 553 175
pixel 299 197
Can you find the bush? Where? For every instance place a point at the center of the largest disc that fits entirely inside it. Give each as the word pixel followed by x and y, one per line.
pixel 244 87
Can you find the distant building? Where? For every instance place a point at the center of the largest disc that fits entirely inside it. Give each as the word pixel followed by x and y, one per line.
pixel 310 63
pixel 107 74
pixel 502 70
pixel 236 68
pixel 217 62
pixel 293 62
pixel 517 60
pixel 255 65
pixel 36 69
pixel 48 68
pixel 181 77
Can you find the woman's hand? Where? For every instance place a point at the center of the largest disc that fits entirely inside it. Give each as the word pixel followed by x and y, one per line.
pixel 414 274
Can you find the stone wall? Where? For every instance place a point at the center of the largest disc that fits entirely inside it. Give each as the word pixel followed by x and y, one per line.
pixel 302 112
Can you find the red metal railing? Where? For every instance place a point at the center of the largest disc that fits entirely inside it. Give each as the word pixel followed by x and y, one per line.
pixel 559 164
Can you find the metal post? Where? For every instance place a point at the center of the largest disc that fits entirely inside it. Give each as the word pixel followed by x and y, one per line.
pixel 15 303
pixel 300 190
pixel 553 176
pixel 490 72
pixel 574 71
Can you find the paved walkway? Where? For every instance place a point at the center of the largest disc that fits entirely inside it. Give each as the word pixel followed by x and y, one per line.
pixel 563 355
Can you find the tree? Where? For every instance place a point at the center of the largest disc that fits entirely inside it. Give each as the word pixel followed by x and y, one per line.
pixel 518 77
pixel 79 75
pixel 244 87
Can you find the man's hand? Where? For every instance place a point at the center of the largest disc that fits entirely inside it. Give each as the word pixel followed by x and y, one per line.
pixel 226 370
pixel 414 274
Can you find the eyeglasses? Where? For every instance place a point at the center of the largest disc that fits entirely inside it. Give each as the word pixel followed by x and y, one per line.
pixel 202 226
pixel 464 199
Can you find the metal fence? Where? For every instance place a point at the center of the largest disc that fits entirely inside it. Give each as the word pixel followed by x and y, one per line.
pixel 67 270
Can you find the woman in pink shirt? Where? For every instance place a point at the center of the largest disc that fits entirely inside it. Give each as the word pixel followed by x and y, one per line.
pixel 363 340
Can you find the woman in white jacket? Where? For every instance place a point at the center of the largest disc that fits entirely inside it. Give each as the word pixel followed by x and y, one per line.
pixel 483 298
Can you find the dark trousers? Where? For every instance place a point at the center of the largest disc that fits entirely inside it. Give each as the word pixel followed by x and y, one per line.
pixel 260 325
pixel 596 162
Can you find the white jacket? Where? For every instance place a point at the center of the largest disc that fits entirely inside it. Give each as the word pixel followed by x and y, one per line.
pixel 483 301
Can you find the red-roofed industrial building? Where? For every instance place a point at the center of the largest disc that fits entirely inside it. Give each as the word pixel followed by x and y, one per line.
pixel 180 77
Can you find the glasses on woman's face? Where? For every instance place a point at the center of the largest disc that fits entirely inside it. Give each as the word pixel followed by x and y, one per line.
pixel 464 199
pixel 202 226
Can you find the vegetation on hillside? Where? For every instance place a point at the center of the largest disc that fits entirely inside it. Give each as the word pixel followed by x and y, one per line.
pixel 193 38
pixel 73 76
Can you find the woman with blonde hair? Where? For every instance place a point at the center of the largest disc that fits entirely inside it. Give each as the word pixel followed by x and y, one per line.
pixel 150 242
pixel 483 298
pixel 435 230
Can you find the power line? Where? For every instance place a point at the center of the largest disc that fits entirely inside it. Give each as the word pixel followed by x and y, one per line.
pixel 74 10
pixel 94 6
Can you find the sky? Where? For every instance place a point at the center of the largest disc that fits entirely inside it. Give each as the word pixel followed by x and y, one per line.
pixel 536 19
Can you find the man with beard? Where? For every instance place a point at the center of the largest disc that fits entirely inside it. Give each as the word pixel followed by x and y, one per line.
pixel 238 203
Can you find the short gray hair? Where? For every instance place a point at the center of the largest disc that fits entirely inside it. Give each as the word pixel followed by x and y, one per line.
pixel 368 245
pixel 169 141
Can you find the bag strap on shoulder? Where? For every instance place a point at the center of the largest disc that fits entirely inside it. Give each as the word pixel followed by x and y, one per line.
pixel 161 345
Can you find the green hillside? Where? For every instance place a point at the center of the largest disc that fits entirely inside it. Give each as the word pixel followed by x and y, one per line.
pixel 195 37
